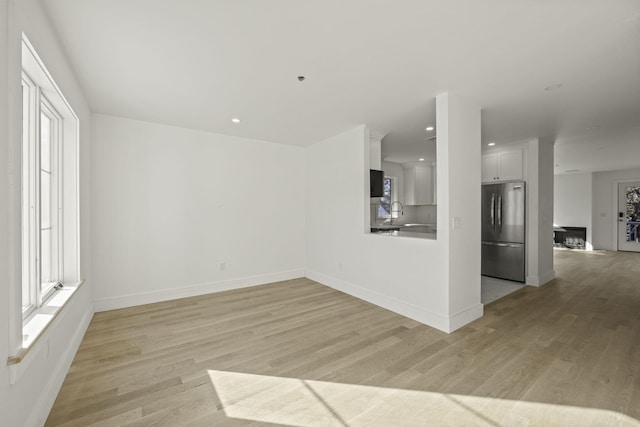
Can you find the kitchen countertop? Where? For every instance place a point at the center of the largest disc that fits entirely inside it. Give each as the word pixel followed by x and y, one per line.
pixel 378 228
pixel 403 226
pixel 405 233
pixel 420 231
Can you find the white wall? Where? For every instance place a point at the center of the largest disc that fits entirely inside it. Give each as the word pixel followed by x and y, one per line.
pixel 604 206
pixel 458 181
pixel 406 275
pixel 436 282
pixel 5 192
pixel 27 402
pixel 171 204
pixel 572 196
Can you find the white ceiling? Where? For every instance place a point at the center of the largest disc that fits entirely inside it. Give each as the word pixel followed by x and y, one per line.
pixel 198 64
pixel 409 140
pixel 598 149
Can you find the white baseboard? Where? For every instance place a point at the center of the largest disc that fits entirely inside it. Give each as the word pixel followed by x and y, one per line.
pixel 50 390
pixel 132 300
pixel 404 308
pixel 457 321
pixel 541 279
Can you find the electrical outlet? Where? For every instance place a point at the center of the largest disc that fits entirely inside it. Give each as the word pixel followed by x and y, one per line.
pixel 340 266
pixel 457 223
pixel 223 266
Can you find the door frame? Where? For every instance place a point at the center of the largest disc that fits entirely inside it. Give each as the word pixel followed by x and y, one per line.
pixel 615 208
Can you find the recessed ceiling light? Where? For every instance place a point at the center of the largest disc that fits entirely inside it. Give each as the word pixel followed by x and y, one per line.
pixel 491 144
pixel 421 159
pixel 429 128
pixel 553 87
pixel 235 120
pixel 301 78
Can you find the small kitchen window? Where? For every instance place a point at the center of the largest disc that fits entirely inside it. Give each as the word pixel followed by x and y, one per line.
pixel 389 194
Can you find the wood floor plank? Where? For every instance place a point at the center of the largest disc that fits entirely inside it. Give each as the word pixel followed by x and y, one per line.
pixel 299 353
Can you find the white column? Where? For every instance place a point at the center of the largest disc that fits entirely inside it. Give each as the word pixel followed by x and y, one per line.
pixel 540 212
pixel 375 148
pixel 458 188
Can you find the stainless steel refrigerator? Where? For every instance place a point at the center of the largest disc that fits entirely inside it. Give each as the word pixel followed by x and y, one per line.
pixel 503 231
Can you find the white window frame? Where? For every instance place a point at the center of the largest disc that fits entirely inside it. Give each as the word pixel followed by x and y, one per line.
pixel 35 105
pixel 29 209
pixel 56 206
pixel 41 100
pixel 393 197
pixel 28 325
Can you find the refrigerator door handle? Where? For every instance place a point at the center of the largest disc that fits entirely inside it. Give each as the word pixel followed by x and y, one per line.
pixel 493 209
pixel 500 211
pixel 503 245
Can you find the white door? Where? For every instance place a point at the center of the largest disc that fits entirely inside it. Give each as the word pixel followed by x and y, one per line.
pixel 629 216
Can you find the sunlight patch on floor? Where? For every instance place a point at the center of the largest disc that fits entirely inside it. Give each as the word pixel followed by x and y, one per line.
pixel 298 402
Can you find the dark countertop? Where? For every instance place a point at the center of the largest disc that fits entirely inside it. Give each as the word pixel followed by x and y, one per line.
pixel 375 228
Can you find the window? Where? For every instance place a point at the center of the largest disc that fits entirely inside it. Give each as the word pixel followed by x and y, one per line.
pixel 388 196
pixel 49 186
pixel 49 145
pixel 42 190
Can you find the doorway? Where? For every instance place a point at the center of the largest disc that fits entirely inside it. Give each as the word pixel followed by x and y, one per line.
pixel 629 216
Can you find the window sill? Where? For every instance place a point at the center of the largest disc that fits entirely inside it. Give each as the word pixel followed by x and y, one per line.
pixel 38 322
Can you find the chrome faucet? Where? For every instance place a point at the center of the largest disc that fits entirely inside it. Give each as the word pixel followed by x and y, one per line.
pixel 392 211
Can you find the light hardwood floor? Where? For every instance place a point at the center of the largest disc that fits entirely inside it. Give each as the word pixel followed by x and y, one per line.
pixel 299 353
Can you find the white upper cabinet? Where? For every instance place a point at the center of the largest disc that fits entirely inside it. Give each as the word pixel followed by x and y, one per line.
pixel 505 166
pixel 489 167
pixel 510 166
pixel 419 185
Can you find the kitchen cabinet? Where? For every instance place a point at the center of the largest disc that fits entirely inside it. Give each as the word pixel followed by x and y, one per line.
pixel 419 185
pixel 506 166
